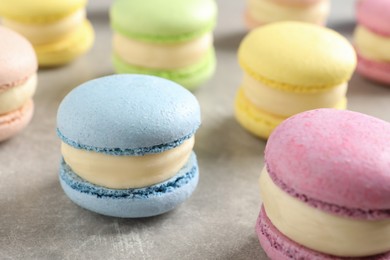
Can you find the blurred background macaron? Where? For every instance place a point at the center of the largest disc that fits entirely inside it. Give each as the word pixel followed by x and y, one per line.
pixel 325 188
pixel 167 38
pixel 260 12
pixel 291 67
pixel 127 145
pixel 18 81
pixel 372 39
pixel 58 30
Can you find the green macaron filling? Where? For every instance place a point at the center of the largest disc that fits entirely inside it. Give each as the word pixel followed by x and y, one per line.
pixel 189 77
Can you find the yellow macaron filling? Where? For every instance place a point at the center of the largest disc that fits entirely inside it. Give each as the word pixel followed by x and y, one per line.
pixel 162 55
pixel 255 120
pixel 321 231
pixel 267 11
pixel 122 172
pixel 372 45
pixel 48 32
pixel 286 104
pixel 15 97
pixel 259 121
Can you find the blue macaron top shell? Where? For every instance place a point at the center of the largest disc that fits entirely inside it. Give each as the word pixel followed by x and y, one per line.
pixel 128 115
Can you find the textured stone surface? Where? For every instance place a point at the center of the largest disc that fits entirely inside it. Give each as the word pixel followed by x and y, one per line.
pixel 38 221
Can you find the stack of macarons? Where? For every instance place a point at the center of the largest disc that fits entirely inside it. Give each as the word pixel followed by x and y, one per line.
pixel 281 80
pixel 166 38
pixel 325 188
pixel 372 39
pixel 260 12
pixel 18 81
pixel 58 30
pixel 127 145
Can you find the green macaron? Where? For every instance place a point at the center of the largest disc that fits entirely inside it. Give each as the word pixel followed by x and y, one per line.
pixel 166 38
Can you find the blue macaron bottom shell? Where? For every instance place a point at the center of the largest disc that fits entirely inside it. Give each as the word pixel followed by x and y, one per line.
pixel 131 203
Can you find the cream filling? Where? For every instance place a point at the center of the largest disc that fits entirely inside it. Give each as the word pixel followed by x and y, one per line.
pixel 267 11
pixel 372 45
pixel 14 98
pixel 47 33
pixel 121 172
pixel 321 231
pixel 161 55
pixel 287 104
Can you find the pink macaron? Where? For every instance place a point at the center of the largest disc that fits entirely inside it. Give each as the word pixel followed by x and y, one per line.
pixel 18 80
pixel 372 39
pixel 260 12
pixel 326 187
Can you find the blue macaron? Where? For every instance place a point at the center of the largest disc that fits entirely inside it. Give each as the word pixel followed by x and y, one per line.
pixel 135 116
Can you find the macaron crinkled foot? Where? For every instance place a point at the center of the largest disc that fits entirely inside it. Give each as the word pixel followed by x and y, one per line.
pixel 324 191
pixel 175 40
pixel 18 81
pixel 131 157
pixel 58 31
pixel 281 80
pixel 372 39
pixel 260 12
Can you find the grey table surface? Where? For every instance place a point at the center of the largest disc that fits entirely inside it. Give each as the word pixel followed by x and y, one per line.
pixel 37 220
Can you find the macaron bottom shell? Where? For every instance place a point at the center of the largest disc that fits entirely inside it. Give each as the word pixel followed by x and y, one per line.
pixel 373 70
pixel 131 203
pixel 260 122
pixel 66 49
pixel 278 246
pixel 13 122
pixel 190 77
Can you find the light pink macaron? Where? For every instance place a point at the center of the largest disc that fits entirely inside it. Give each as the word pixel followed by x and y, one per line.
pixel 18 79
pixel 335 163
pixel 373 18
pixel 261 12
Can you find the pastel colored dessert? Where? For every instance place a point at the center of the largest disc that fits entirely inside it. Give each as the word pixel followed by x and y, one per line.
pixel 325 188
pixel 18 81
pixel 260 12
pixel 281 80
pixel 372 39
pixel 58 30
pixel 127 145
pixel 166 38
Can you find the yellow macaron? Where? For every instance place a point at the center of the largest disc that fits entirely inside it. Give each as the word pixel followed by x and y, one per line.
pixel 291 67
pixel 58 31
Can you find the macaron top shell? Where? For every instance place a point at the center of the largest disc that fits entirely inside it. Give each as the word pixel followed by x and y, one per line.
pixel 128 114
pixel 333 156
pixel 374 15
pixel 297 55
pixel 163 20
pixel 38 11
pixel 17 58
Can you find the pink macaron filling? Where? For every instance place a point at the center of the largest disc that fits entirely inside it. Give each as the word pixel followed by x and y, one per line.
pixel 357 213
